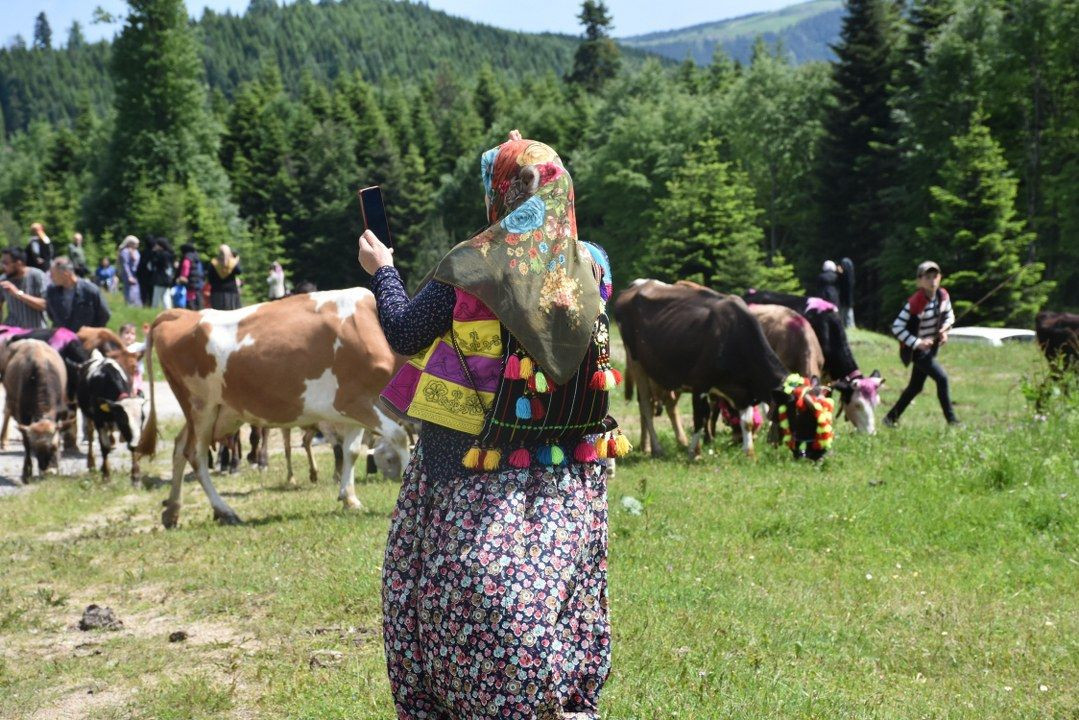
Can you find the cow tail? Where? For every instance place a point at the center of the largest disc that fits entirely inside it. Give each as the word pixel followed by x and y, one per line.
pixel 627 376
pixel 148 441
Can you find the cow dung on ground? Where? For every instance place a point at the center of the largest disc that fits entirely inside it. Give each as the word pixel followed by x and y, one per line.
pixel 96 617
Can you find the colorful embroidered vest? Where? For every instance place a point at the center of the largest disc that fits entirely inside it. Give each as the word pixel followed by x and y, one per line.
pixel 504 399
pixel 434 387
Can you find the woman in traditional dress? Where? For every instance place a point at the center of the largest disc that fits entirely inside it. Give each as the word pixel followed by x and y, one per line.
pixel 128 262
pixel 223 281
pixel 495 576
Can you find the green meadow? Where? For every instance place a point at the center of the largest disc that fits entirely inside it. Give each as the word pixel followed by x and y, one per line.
pixel 923 572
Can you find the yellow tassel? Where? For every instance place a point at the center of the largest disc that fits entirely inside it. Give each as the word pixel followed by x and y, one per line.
pixel 472 459
pixel 491 460
pixel 601 447
pixel 526 368
pixel 622 445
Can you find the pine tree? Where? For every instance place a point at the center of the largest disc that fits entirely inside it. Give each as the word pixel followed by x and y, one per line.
pixel 707 231
pixel 75 39
pixel 162 134
pixel 488 96
pixel 42 33
pixel 597 58
pixel 856 178
pixel 976 236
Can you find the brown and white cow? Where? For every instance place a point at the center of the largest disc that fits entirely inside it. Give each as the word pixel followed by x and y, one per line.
pixel 293 362
pixel 34 382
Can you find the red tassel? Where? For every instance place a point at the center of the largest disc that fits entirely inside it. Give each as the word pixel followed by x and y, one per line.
pixel 612 448
pixel 598 381
pixel 513 368
pixel 538 410
pixel 617 376
pixel 585 452
pixel 520 458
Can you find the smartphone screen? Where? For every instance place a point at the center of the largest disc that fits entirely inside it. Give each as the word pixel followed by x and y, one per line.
pixel 374 214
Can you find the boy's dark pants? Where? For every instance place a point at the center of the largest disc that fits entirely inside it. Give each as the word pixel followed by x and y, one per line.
pixel 925 365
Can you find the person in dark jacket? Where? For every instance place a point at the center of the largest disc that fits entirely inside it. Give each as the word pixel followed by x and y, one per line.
pixel 223 280
pixel 72 302
pixel 162 273
pixel 39 249
pixel 846 291
pixel 827 283
pixel 144 274
pixel 192 275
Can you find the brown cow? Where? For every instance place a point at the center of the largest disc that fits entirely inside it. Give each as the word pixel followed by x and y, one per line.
pixel 687 338
pixel 109 344
pixel 1058 337
pixel 293 362
pixel 34 381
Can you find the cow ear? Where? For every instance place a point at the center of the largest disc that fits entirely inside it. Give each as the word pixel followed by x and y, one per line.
pixel 875 374
pixel 22 428
pixel 64 424
pixel 814 381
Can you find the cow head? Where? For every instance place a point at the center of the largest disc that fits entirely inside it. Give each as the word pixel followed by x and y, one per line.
pixel 127 413
pixel 391 453
pixel 43 440
pixel 858 397
pixel 805 416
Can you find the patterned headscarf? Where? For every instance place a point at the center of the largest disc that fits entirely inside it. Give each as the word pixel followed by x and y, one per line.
pixel 527 266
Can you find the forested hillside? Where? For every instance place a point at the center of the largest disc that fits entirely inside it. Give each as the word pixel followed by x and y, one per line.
pixel 383 39
pixel 949 131
pixel 803 32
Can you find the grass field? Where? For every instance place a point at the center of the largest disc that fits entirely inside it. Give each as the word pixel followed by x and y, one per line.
pixel 920 573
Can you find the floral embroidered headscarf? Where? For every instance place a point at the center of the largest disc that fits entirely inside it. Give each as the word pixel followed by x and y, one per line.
pixel 527 266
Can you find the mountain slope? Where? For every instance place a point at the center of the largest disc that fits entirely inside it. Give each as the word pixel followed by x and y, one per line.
pixel 804 31
pixel 383 39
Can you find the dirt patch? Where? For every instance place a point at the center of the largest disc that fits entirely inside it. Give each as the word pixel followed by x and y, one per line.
pixel 78 702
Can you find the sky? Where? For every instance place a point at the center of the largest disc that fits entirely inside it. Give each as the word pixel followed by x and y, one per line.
pixel 631 17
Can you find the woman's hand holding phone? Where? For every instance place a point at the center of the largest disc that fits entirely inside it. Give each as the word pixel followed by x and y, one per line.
pixel 373 254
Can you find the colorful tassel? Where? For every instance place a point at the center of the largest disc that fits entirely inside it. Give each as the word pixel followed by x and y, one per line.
pixel 585 452
pixel 491 460
pixel 601 447
pixel 541 382
pixel 617 376
pixel 608 380
pixel 543 455
pixel 612 448
pixel 513 368
pixel 524 408
pixel 558 456
pixel 520 458
pixel 597 381
pixel 526 368
pixel 472 459
pixel 538 410
pixel 622 446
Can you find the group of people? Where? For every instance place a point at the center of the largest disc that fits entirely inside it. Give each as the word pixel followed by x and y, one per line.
pixel 34 299
pixel 156 277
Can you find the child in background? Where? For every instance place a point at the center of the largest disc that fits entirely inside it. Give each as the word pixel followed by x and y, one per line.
pixel 105 275
pixel 131 342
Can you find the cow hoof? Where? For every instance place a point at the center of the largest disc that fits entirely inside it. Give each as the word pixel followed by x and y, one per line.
pixel 227 518
pixel 170 516
pixel 351 503
pixel 314 478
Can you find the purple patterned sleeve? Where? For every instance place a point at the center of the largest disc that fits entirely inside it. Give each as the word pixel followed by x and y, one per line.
pixel 412 325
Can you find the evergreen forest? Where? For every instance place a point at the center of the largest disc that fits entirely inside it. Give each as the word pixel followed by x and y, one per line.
pixel 943 129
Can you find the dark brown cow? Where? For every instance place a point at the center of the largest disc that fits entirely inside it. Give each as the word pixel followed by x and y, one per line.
pixel 692 339
pixel 1058 336
pixel 34 381
pixel 294 362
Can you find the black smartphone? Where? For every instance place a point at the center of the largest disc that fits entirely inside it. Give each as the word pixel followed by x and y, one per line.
pixel 374 214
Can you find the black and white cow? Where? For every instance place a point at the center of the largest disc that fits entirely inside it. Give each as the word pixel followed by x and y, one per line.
pixel 108 407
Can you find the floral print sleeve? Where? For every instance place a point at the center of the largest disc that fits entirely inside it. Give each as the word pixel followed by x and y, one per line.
pixel 412 325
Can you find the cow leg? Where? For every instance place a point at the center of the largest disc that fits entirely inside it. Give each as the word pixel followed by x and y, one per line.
pixel 3 429
pixel 264 451
pixel 70 433
pixel 88 432
pixel 700 423
pixel 353 437
pixel 747 432
pixel 338 460
pixel 27 462
pixel 312 471
pixel 286 438
pixel 181 455
pixel 670 401
pixel 648 427
pixel 105 439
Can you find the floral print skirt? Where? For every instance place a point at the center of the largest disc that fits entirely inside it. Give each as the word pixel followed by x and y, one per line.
pixel 494 593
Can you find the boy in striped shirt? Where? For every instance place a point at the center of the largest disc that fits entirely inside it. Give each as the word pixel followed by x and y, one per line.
pixel 921 328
